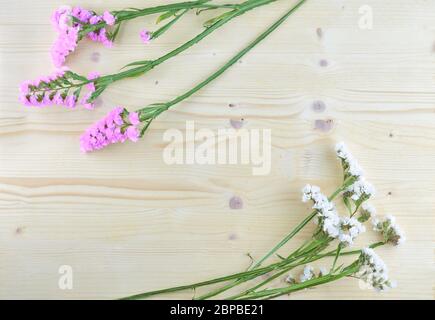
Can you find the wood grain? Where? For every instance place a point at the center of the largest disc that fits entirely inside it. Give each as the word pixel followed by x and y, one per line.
pixel 127 222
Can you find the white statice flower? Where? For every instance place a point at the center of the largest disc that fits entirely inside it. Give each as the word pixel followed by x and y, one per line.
pixel 320 201
pixel 342 151
pixel 349 229
pixel 373 270
pixel 389 230
pixel 360 190
pixel 350 165
pixel 345 229
pixel 367 212
pixel 323 271
pixel 307 274
pixel 309 192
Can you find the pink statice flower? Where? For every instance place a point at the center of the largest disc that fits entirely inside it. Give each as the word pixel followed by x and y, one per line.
pixel 133 117
pixel 60 18
pixel 39 94
pixel 70 23
pixel 108 18
pixel 115 127
pixel 65 43
pixel 91 89
pixel 145 36
pixel 82 14
pixel 59 88
pixel 103 38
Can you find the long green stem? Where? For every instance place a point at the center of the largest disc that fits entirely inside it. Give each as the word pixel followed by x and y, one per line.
pixel 302 224
pixel 148 65
pixel 258 271
pixel 281 272
pixel 286 239
pixel 231 62
pixel 299 253
pixel 125 15
pixel 251 274
pixel 273 293
pixel 143 67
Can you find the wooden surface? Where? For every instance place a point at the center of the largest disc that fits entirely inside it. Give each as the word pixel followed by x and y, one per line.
pixel 127 222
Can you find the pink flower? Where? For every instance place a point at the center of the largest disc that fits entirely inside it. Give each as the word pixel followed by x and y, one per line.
pixel 69 29
pixel 102 37
pixel 133 133
pixel 82 14
pixel 145 35
pixel 133 117
pixel 93 36
pixel 92 76
pixel 65 43
pixel 91 87
pixel 85 103
pixel 111 129
pixel 58 99
pixel 108 18
pixel 58 17
pixel 44 91
pixel 95 19
pixel 70 101
pixel 24 87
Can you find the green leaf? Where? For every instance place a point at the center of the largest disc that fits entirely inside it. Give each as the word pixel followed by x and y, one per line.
pixel 166 15
pixel 77 92
pixel 75 76
pixel 138 63
pixel 163 29
pixel 280 256
pixel 96 93
pixel 347 204
pixel 115 33
pixel 212 21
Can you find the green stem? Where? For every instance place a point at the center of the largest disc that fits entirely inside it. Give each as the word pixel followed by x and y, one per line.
pixel 102 82
pixel 290 259
pixel 125 15
pixel 339 247
pixel 274 249
pixel 256 273
pixel 301 225
pixel 259 271
pixel 148 65
pixel 273 293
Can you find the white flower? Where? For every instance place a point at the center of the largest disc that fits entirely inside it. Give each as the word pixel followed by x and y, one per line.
pixel 308 192
pixel 367 212
pixel 320 201
pixel 323 271
pixel 344 229
pixel 360 190
pixel 307 274
pixel 330 225
pixel 350 165
pixel 389 230
pixel 341 150
pixel 373 270
pixel 349 229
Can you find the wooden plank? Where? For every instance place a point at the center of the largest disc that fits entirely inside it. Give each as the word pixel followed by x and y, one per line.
pixel 127 222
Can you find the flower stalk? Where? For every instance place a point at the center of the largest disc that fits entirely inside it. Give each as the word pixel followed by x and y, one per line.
pixel 42 91
pixel 331 230
pixel 149 113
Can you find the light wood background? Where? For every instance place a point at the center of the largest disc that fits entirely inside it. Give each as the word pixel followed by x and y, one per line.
pixel 126 222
